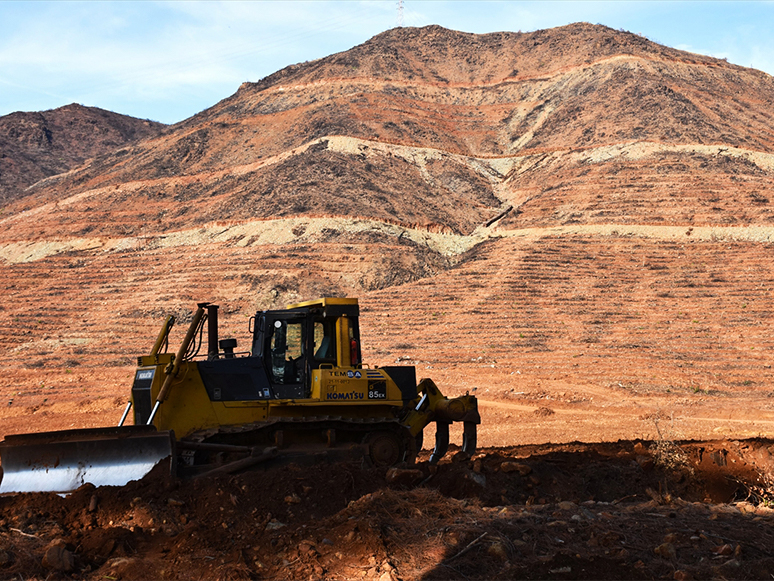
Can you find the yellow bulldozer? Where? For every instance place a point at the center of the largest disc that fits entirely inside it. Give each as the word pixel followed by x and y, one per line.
pixel 298 389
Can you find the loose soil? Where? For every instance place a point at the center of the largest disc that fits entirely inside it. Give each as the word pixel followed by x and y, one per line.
pixel 630 509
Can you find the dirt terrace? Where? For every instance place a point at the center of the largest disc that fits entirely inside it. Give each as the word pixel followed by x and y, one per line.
pixel 603 330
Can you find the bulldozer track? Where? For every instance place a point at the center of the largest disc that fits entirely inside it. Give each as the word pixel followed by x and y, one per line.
pixel 307 435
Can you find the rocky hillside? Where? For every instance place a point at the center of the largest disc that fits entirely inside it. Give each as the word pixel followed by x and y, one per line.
pixel 579 205
pixel 417 122
pixel 34 146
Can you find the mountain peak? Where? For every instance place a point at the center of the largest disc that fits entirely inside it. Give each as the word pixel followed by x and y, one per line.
pixel 443 56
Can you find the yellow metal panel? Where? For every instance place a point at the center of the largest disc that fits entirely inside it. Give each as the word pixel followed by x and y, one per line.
pixel 235 416
pixel 344 385
pixel 332 408
pixel 350 385
pixel 188 407
pixel 316 383
pixel 255 403
pixel 343 352
pixel 151 360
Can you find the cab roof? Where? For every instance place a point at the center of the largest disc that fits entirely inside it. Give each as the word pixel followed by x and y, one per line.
pixel 323 302
pixel 331 306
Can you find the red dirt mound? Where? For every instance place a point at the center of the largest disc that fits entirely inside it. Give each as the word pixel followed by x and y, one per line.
pixel 626 510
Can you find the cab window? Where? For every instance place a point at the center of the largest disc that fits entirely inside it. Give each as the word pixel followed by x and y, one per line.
pixel 287 353
pixel 325 341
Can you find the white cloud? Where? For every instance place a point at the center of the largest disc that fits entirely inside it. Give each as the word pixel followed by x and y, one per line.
pixel 119 52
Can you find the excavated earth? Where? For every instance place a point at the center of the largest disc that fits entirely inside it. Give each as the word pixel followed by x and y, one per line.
pixel 574 224
pixel 632 510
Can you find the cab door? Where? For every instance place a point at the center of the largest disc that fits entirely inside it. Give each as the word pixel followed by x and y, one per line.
pixel 285 356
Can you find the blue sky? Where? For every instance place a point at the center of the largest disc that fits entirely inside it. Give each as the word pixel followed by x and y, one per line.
pixel 169 60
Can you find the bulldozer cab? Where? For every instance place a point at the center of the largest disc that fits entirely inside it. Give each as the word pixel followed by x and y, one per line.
pixel 288 345
pixel 295 341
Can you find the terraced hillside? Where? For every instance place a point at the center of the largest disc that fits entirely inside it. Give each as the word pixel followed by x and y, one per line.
pixel 576 223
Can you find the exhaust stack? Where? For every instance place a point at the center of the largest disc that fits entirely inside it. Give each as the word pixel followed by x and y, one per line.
pixel 212 332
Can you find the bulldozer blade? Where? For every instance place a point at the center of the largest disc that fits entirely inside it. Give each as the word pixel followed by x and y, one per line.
pixel 65 460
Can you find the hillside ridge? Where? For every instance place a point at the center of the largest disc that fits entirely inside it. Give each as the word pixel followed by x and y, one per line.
pixel 36 145
pixel 434 42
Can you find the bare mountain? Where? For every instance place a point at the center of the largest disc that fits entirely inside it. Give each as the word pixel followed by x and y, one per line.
pixel 574 211
pixel 34 146
pixel 416 123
